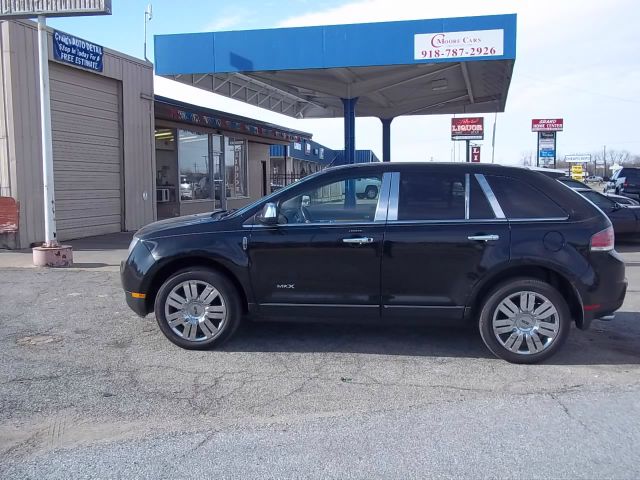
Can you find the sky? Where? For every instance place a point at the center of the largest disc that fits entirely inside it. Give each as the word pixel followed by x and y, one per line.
pixel 576 59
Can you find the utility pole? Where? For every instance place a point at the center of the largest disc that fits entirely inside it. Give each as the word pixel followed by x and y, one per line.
pixel 604 159
pixel 148 15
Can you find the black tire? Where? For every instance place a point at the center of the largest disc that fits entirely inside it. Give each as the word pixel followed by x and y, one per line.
pixel 230 299
pixel 513 287
pixel 371 192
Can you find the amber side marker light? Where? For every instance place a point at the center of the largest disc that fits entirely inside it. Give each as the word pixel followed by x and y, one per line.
pixel 138 295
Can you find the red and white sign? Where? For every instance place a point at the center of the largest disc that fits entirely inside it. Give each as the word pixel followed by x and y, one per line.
pixel 475 154
pixel 547 125
pixel 478 43
pixel 467 128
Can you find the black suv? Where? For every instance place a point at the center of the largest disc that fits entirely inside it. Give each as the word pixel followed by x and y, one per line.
pixel 625 181
pixel 508 248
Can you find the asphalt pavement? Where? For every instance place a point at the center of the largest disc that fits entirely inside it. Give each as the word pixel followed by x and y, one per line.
pixel 89 390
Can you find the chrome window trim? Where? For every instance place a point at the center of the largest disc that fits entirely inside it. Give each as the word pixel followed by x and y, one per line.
pixel 467 195
pixel 493 201
pixel 448 222
pixel 318 224
pixel 394 194
pixel 383 199
pixel 540 219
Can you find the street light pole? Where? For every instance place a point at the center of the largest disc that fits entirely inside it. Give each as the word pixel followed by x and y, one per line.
pixel 50 239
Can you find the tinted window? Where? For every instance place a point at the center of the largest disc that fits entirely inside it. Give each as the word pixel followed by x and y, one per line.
pixel 572 183
pixel 600 200
pixel 630 174
pixel 429 196
pixel 346 200
pixel 520 200
pixel 479 207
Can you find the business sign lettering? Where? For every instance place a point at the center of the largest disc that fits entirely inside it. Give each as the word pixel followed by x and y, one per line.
pixel 475 154
pixel 77 52
pixel 445 45
pixel 586 158
pixel 468 128
pixel 547 125
pixel 176 114
pixel 547 144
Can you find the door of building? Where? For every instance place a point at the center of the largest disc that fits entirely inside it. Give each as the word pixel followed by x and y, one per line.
pixel 86 113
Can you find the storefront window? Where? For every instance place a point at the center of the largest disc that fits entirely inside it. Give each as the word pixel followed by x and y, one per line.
pixel 235 160
pixel 194 165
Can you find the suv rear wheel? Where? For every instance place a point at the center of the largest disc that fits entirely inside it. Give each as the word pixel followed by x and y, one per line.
pixel 198 308
pixel 524 321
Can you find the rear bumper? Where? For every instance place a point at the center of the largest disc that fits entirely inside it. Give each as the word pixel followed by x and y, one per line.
pixel 607 292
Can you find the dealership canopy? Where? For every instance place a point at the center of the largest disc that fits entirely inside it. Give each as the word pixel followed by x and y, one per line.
pixel 384 70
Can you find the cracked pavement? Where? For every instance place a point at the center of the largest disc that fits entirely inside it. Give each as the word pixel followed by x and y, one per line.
pixel 87 389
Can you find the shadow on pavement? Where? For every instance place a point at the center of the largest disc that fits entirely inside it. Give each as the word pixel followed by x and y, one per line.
pixel 112 241
pixel 606 343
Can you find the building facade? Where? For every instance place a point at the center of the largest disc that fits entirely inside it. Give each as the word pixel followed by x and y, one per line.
pixel 208 160
pixel 103 137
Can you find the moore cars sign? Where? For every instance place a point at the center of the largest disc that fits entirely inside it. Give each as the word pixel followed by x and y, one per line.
pixel 468 128
pixel 77 52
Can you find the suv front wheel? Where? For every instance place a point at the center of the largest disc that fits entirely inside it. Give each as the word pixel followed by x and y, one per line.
pixel 524 321
pixel 198 308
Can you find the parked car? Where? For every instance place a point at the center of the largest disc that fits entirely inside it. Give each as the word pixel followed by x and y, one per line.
pixel 625 181
pixel 367 188
pixel 624 218
pixel 594 179
pixel 622 200
pixel 508 249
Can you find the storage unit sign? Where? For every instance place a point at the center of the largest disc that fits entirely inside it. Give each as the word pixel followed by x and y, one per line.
pixel 77 52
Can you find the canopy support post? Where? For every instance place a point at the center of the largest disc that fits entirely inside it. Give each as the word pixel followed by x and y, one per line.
pixel 350 147
pixel 386 139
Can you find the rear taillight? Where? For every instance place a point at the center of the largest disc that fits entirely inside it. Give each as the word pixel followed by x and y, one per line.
pixel 603 241
pixel 625 184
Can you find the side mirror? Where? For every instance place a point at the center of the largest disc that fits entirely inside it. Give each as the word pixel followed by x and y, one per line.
pixel 616 206
pixel 306 200
pixel 269 214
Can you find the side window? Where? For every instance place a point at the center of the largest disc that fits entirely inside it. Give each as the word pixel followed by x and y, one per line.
pixel 343 201
pixel 431 196
pixel 518 199
pixel 479 208
pixel 600 200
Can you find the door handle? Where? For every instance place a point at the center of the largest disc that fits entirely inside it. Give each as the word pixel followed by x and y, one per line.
pixel 484 238
pixel 358 241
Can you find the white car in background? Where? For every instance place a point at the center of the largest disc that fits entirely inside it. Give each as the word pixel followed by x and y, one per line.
pixel 367 188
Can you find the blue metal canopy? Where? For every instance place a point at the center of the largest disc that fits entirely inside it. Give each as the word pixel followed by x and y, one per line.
pixel 418 67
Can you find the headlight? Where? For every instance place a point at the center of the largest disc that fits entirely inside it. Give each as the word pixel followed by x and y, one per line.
pixel 132 245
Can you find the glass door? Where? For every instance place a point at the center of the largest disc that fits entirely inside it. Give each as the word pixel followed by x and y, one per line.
pixel 217 158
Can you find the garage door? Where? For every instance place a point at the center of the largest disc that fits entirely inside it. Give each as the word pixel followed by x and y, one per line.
pixel 85 119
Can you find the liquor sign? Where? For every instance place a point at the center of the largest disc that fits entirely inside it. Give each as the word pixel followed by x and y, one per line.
pixel 577 158
pixel 475 154
pixel 468 128
pixel 53 8
pixel 547 125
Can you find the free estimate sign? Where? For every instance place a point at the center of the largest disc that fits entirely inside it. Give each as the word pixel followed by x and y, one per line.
pixel 468 128
pixel 77 52
pixel 445 45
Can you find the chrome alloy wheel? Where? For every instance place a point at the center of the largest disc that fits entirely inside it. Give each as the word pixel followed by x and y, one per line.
pixel 526 323
pixel 195 311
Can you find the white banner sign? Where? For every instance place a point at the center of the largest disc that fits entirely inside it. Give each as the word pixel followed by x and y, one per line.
pixel 577 158
pixel 479 43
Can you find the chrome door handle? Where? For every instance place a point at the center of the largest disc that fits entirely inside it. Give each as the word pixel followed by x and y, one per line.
pixel 358 241
pixel 484 238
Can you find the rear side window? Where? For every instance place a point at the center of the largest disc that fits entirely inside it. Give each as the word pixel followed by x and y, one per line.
pixel 432 196
pixel 518 199
pixel 630 174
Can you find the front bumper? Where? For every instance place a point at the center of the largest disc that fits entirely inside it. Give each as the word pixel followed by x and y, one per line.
pixel 138 305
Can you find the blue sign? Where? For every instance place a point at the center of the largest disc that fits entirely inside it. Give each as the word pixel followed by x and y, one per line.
pixel 547 153
pixel 77 52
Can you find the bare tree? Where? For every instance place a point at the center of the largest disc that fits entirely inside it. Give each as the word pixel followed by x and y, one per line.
pixel 526 158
